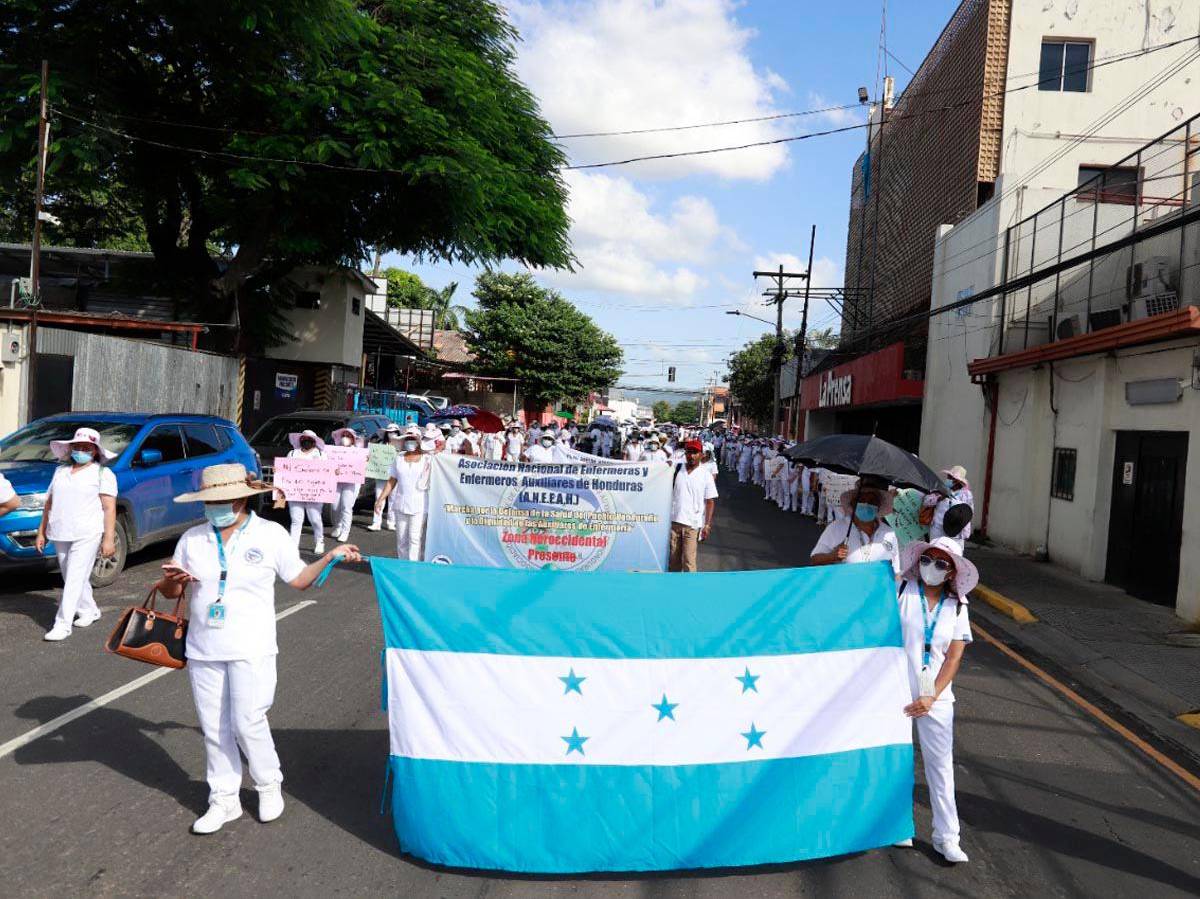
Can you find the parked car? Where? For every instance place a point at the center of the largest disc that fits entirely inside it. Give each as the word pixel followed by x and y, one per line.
pixel 271 440
pixel 438 402
pixel 159 457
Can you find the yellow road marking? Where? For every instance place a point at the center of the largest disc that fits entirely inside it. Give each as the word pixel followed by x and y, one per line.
pixel 1107 720
pixel 1003 604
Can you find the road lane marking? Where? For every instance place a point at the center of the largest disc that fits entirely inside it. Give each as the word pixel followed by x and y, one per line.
pixel 112 696
pixel 1003 604
pixel 1107 720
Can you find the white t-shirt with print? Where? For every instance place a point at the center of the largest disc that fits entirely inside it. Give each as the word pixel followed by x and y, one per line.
pixel 882 546
pixel 953 623
pixel 256 555
pixel 75 510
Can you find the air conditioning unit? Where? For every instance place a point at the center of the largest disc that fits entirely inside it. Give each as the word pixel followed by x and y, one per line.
pixel 1147 278
pixel 1159 303
pixel 1068 326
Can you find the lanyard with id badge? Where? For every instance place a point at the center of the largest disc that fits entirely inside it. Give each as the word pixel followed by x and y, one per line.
pixel 925 678
pixel 216 612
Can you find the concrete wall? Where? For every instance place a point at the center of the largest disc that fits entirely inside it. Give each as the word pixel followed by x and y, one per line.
pixel 12 384
pixel 332 334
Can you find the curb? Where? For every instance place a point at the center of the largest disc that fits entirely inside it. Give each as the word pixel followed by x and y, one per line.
pixel 1191 719
pixel 1004 605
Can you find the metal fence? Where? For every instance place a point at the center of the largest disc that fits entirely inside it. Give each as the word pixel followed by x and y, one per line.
pixel 1120 247
pixel 114 373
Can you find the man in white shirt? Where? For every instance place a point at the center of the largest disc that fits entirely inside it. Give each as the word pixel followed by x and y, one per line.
pixel 693 501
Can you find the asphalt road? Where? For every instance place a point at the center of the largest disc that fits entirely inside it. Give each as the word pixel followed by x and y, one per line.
pixel 1052 804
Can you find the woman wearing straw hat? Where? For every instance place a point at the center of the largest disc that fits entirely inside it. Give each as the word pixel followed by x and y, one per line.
pixel 378 518
pixel 409 478
pixel 955 481
pixel 233 559
pixel 80 518
pixel 936 627
pixel 307 445
pixel 866 537
pixel 343 509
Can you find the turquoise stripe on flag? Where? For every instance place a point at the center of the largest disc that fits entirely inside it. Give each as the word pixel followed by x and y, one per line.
pixel 603 614
pixel 567 819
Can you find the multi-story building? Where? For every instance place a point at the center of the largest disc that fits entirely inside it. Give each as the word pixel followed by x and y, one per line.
pixel 1061 368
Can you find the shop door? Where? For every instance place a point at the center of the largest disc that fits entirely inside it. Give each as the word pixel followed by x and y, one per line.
pixel 1145 526
pixel 54 385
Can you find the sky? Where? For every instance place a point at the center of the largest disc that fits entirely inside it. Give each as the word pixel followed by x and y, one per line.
pixel 666 248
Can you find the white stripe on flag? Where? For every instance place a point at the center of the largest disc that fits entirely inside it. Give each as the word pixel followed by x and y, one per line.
pixel 481 707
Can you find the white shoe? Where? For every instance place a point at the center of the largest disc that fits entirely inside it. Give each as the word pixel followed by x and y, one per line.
pixel 319 547
pixel 391 525
pixel 904 844
pixel 81 621
pixel 56 633
pixel 218 815
pixel 374 527
pixel 951 851
pixel 270 802
pixel 343 537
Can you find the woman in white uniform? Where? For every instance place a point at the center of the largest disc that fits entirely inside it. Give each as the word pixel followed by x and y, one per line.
pixel 409 480
pixel 80 518
pixel 307 445
pixel 633 448
pixel 514 443
pixel 343 508
pixel 233 560
pixel 933 617
pixel 653 453
pixel 866 537
pixel 955 481
pixel 387 515
pixel 543 451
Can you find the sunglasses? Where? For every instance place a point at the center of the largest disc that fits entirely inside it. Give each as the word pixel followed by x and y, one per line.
pixel 939 564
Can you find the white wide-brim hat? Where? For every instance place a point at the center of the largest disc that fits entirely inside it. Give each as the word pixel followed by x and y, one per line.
pixel 62 448
pixel 966 575
pixel 294 439
pixel 224 482
pixel 432 432
pixel 958 473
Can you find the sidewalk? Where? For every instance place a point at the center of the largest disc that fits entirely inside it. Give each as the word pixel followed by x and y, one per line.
pixel 1111 644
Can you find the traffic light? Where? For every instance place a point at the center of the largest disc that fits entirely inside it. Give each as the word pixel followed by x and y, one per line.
pixel 671 373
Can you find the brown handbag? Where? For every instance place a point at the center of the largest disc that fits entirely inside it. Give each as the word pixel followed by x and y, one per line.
pixel 148 635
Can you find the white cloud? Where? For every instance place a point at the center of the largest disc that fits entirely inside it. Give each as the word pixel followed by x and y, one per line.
pixel 627 245
pixel 619 65
pixel 835 115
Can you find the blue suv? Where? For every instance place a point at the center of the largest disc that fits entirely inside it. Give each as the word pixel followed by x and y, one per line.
pixel 159 457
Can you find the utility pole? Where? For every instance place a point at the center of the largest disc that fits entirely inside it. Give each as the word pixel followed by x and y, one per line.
pixel 802 346
pixel 781 294
pixel 35 253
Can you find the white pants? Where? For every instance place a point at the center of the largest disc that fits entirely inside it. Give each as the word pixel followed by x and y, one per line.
pixel 821 510
pixel 936 734
pixel 410 534
pixel 377 518
pixel 297 512
pixel 806 502
pixel 343 508
pixel 232 701
pixel 75 560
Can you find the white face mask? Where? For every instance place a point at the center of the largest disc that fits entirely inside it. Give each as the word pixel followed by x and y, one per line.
pixel 347 441
pixel 931 575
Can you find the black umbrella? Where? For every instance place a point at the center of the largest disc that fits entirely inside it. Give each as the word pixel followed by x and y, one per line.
pixel 862 454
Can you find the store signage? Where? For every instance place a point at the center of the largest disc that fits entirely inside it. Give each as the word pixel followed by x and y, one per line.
pixel 1127 474
pixel 835 391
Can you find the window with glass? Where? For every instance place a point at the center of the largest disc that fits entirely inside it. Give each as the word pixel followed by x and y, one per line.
pixel 1065 66
pixel 32 442
pixel 1063 476
pixel 201 440
pixel 1109 184
pixel 168 440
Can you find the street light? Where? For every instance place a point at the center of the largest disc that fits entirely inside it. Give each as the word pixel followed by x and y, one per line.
pixel 748 315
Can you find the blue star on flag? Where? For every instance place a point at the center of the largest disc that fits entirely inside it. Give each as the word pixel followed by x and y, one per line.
pixel 572 683
pixel 575 742
pixel 665 709
pixel 749 681
pixel 753 737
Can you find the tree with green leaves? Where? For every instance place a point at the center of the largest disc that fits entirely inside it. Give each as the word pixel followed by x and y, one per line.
pixel 661 411
pixel 407 291
pixel 822 338
pixel 686 412
pixel 238 140
pixel 525 331
pixel 752 376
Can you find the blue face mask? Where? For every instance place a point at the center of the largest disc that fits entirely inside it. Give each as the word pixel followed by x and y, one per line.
pixel 81 457
pixel 865 512
pixel 949 485
pixel 220 515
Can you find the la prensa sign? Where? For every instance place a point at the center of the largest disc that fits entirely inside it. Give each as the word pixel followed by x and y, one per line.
pixel 836 391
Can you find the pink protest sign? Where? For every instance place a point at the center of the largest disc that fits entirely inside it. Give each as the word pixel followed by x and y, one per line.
pixel 351 463
pixel 306 480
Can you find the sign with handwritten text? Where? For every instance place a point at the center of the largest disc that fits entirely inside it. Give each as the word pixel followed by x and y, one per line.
pixel 380 460
pixel 351 463
pixel 306 480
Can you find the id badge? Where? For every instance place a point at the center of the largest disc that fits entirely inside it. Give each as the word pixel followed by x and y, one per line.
pixel 216 615
pixel 925 682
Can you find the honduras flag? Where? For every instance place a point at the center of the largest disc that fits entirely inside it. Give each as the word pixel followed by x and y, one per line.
pixel 562 722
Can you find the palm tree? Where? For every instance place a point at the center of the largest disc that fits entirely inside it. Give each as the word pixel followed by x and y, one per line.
pixel 445 314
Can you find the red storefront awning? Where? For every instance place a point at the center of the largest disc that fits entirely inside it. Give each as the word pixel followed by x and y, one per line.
pixel 871 380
